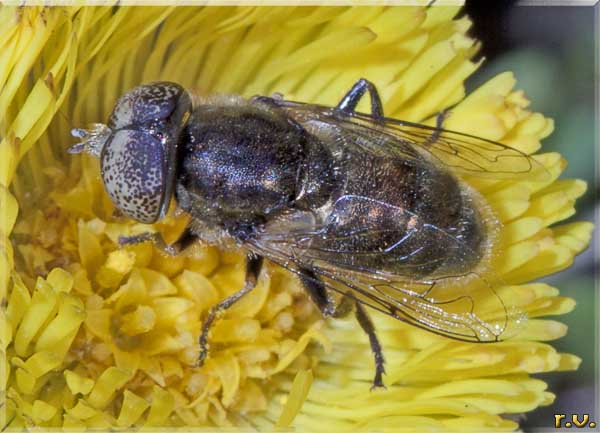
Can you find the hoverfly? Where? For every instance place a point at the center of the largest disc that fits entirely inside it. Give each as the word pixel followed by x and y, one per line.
pixel 361 205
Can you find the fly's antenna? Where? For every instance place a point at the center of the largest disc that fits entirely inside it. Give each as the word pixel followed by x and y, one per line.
pixel 92 139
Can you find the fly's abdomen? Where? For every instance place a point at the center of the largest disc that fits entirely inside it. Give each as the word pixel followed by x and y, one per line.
pixel 409 219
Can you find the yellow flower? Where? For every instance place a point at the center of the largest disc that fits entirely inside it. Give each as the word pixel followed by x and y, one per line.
pixel 98 336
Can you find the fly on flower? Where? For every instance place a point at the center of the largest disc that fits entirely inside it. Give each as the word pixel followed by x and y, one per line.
pixel 366 210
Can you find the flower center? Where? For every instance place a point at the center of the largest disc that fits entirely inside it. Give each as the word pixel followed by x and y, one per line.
pixel 143 311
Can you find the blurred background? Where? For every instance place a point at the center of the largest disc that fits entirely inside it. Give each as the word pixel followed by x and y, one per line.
pixel 552 51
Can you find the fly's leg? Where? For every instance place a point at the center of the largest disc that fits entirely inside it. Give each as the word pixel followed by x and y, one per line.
pixel 319 294
pixel 186 239
pixel 439 121
pixel 253 267
pixel 367 325
pixel 349 102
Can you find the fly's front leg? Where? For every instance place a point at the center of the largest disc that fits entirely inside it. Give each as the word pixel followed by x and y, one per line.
pixel 349 102
pixel 253 267
pixel 319 294
pixel 186 239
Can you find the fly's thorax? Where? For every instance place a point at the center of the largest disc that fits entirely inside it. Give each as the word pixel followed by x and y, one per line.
pixel 239 164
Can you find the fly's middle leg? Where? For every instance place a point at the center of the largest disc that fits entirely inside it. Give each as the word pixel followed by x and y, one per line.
pixel 319 294
pixel 253 267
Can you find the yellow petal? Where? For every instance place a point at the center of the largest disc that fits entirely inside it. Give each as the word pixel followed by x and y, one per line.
pixel 158 284
pixel 42 411
pixel 18 303
pixel 139 321
pixel 82 411
pixel 43 305
pixel 59 333
pixel 25 381
pixel 41 363
pixel 575 236
pixel 297 396
pixel 5 331
pixel 228 331
pixel 291 353
pixel 60 280
pixel 78 384
pixel 132 408
pixel 10 209
pixel 228 369
pixel 127 361
pixel 133 292
pixel 107 384
pixel 521 229
pixel 198 288
pixel 118 264
pixel 162 405
pixel 90 250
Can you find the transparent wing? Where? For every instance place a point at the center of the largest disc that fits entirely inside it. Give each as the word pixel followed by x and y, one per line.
pixel 465 307
pixel 464 153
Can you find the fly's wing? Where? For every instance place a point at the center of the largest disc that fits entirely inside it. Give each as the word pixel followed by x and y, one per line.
pixel 465 307
pixel 463 153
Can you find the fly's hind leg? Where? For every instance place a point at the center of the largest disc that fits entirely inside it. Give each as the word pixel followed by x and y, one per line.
pixel 366 324
pixel 349 102
pixel 321 297
pixel 253 267
pixel 319 294
pixel 186 239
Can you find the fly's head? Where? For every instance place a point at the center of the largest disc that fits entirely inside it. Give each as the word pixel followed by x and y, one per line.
pixel 138 148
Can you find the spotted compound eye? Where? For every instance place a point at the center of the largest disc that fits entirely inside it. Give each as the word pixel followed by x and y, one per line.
pixel 138 159
pixel 134 174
